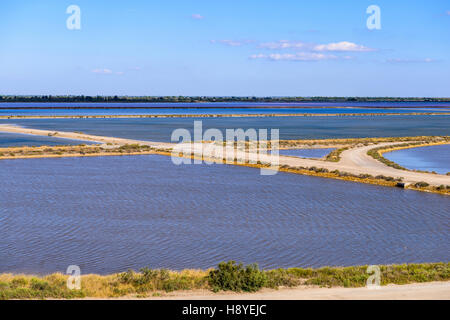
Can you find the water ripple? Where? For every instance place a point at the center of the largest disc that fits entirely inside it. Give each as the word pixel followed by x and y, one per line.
pixel 114 213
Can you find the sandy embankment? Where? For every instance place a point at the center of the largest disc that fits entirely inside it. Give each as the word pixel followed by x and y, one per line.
pixel 355 160
pixel 80 136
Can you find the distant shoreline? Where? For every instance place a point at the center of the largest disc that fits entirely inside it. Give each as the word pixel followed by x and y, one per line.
pixel 202 107
pixel 211 99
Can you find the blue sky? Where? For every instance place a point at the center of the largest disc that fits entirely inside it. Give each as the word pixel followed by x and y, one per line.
pixel 246 47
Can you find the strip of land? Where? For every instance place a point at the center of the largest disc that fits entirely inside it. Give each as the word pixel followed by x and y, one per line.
pixel 353 160
pixel 234 115
pixel 81 136
pixel 237 281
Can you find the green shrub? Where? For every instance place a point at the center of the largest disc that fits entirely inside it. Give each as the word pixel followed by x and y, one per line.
pixel 421 184
pixel 18 282
pixel 152 279
pixel 335 155
pixel 39 285
pixel 235 277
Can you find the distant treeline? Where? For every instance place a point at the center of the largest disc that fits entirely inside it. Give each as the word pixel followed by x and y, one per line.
pixel 186 99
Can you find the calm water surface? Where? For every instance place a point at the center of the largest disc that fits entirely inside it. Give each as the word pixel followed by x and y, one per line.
pixel 306 153
pixel 13 139
pixel 108 214
pixel 431 158
pixel 290 127
pixel 218 108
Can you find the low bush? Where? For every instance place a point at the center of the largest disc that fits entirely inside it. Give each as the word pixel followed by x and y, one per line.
pixel 335 155
pixel 421 184
pixel 235 277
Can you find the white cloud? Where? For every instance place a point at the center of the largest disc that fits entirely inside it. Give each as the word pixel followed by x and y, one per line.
pixel 259 56
pixel 398 60
pixel 197 16
pixel 232 43
pixel 302 51
pixel 299 56
pixel 102 71
pixel 107 71
pixel 283 44
pixel 343 46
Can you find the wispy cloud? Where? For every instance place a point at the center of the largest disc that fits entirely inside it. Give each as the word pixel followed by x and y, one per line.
pixel 299 56
pixel 232 43
pixel 299 50
pixel 343 46
pixel 283 44
pixel 107 71
pixel 448 13
pixel 197 16
pixel 399 60
pixel 102 71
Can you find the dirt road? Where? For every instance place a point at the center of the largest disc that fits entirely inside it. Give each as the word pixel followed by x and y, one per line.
pixel 419 291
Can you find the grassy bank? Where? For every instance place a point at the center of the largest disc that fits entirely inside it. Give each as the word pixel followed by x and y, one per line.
pixel 227 276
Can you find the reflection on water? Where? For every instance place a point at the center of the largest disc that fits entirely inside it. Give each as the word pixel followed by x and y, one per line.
pixel 431 158
pixel 108 214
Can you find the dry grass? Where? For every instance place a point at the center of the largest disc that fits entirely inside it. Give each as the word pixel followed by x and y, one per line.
pixel 154 282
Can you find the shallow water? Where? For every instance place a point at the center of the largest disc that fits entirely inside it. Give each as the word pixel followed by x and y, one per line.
pixel 306 153
pixel 13 139
pixel 29 109
pixel 203 110
pixel 290 127
pixel 431 158
pixel 108 214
